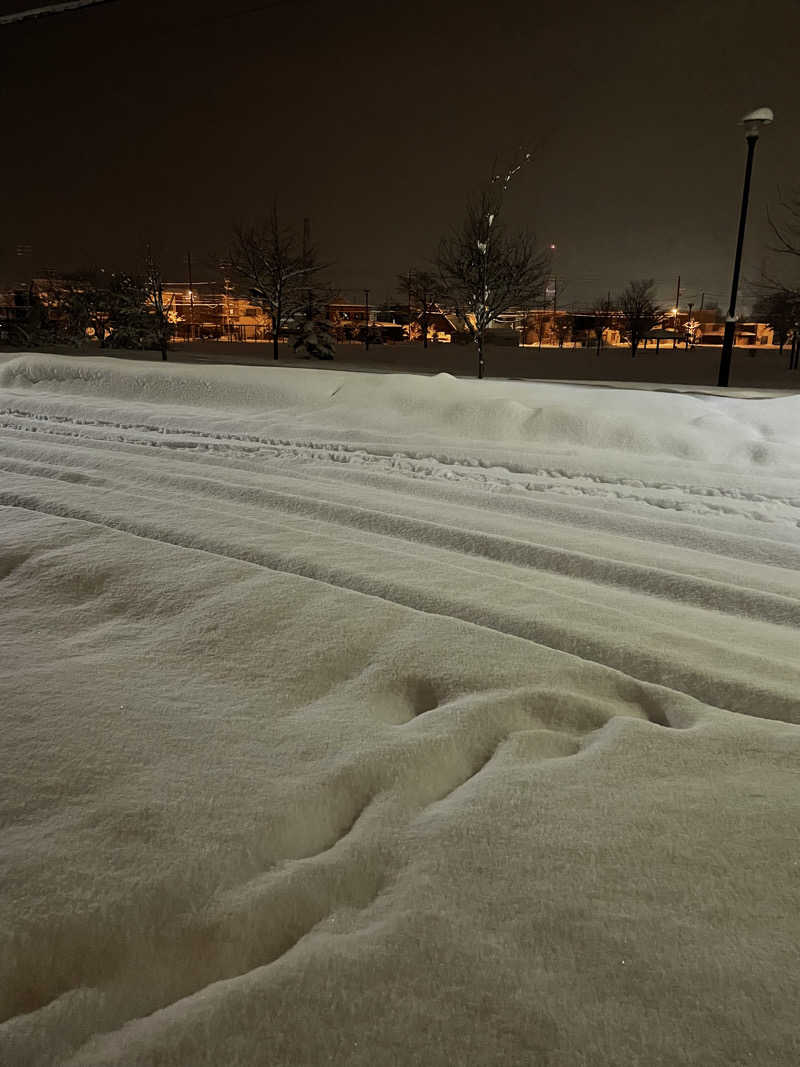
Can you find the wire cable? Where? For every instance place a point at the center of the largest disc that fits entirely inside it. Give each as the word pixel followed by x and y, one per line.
pixel 49 9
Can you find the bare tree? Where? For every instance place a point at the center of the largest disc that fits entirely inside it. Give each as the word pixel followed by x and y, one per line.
pixel 786 297
pixel 562 327
pixel 538 323
pixel 279 268
pixel 787 232
pixel 638 310
pixel 159 308
pixel 605 318
pixel 486 269
pixel 424 290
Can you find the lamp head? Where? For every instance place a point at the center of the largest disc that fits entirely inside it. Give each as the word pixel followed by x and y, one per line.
pixel 762 116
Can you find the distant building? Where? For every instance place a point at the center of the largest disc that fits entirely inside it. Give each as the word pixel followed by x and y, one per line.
pixel 347 320
pixel 710 329
pixel 218 311
pixel 544 326
pixel 444 327
pixel 213 311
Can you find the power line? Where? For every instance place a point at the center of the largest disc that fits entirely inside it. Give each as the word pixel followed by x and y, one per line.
pixel 49 9
pixel 75 5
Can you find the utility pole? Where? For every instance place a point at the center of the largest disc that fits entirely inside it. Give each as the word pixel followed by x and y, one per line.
pixel 307 263
pixel 366 319
pixel 689 327
pixel 409 284
pixel 677 305
pixel 191 295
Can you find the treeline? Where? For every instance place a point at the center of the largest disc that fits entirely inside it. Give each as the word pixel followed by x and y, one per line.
pixel 93 303
pixel 481 270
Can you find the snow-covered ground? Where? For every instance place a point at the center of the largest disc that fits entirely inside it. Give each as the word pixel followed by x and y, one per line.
pixel 369 719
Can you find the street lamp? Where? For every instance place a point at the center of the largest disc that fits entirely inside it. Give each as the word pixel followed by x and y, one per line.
pixel 752 123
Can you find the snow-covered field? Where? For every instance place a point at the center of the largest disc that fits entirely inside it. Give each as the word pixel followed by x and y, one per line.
pixel 366 719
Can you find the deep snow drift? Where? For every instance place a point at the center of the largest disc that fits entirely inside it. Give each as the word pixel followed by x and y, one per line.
pixel 367 719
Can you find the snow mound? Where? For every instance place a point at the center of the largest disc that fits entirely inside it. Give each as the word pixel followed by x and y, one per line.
pixel 745 432
pixel 240 387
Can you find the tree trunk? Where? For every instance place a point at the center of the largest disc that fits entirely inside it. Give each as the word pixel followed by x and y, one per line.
pixel 276 322
pixel 424 329
pixel 480 352
pixel 163 352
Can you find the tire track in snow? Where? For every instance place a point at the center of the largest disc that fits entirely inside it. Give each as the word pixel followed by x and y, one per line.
pixel 413 463
pixel 584 562
pixel 782 610
pixel 551 504
pixel 703 666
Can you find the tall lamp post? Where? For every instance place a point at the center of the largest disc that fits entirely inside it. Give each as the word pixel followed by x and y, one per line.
pixel 752 123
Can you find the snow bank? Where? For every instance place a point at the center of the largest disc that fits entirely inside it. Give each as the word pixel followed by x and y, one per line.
pixel 755 434
pixel 241 388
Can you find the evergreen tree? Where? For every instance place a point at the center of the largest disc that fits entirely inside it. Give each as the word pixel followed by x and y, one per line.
pixel 315 337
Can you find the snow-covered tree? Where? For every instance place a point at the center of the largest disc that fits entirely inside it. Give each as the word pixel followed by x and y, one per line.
pixel 484 268
pixel 278 267
pixel 101 304
pixel 314 336
pixel 130 319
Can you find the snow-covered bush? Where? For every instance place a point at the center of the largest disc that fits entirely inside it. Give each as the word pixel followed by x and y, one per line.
pixel 315 339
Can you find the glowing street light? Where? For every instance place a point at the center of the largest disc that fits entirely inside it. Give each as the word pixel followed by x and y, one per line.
pixel 752 123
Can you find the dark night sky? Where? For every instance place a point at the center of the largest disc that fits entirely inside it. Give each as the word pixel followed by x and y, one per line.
pixel 168 121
